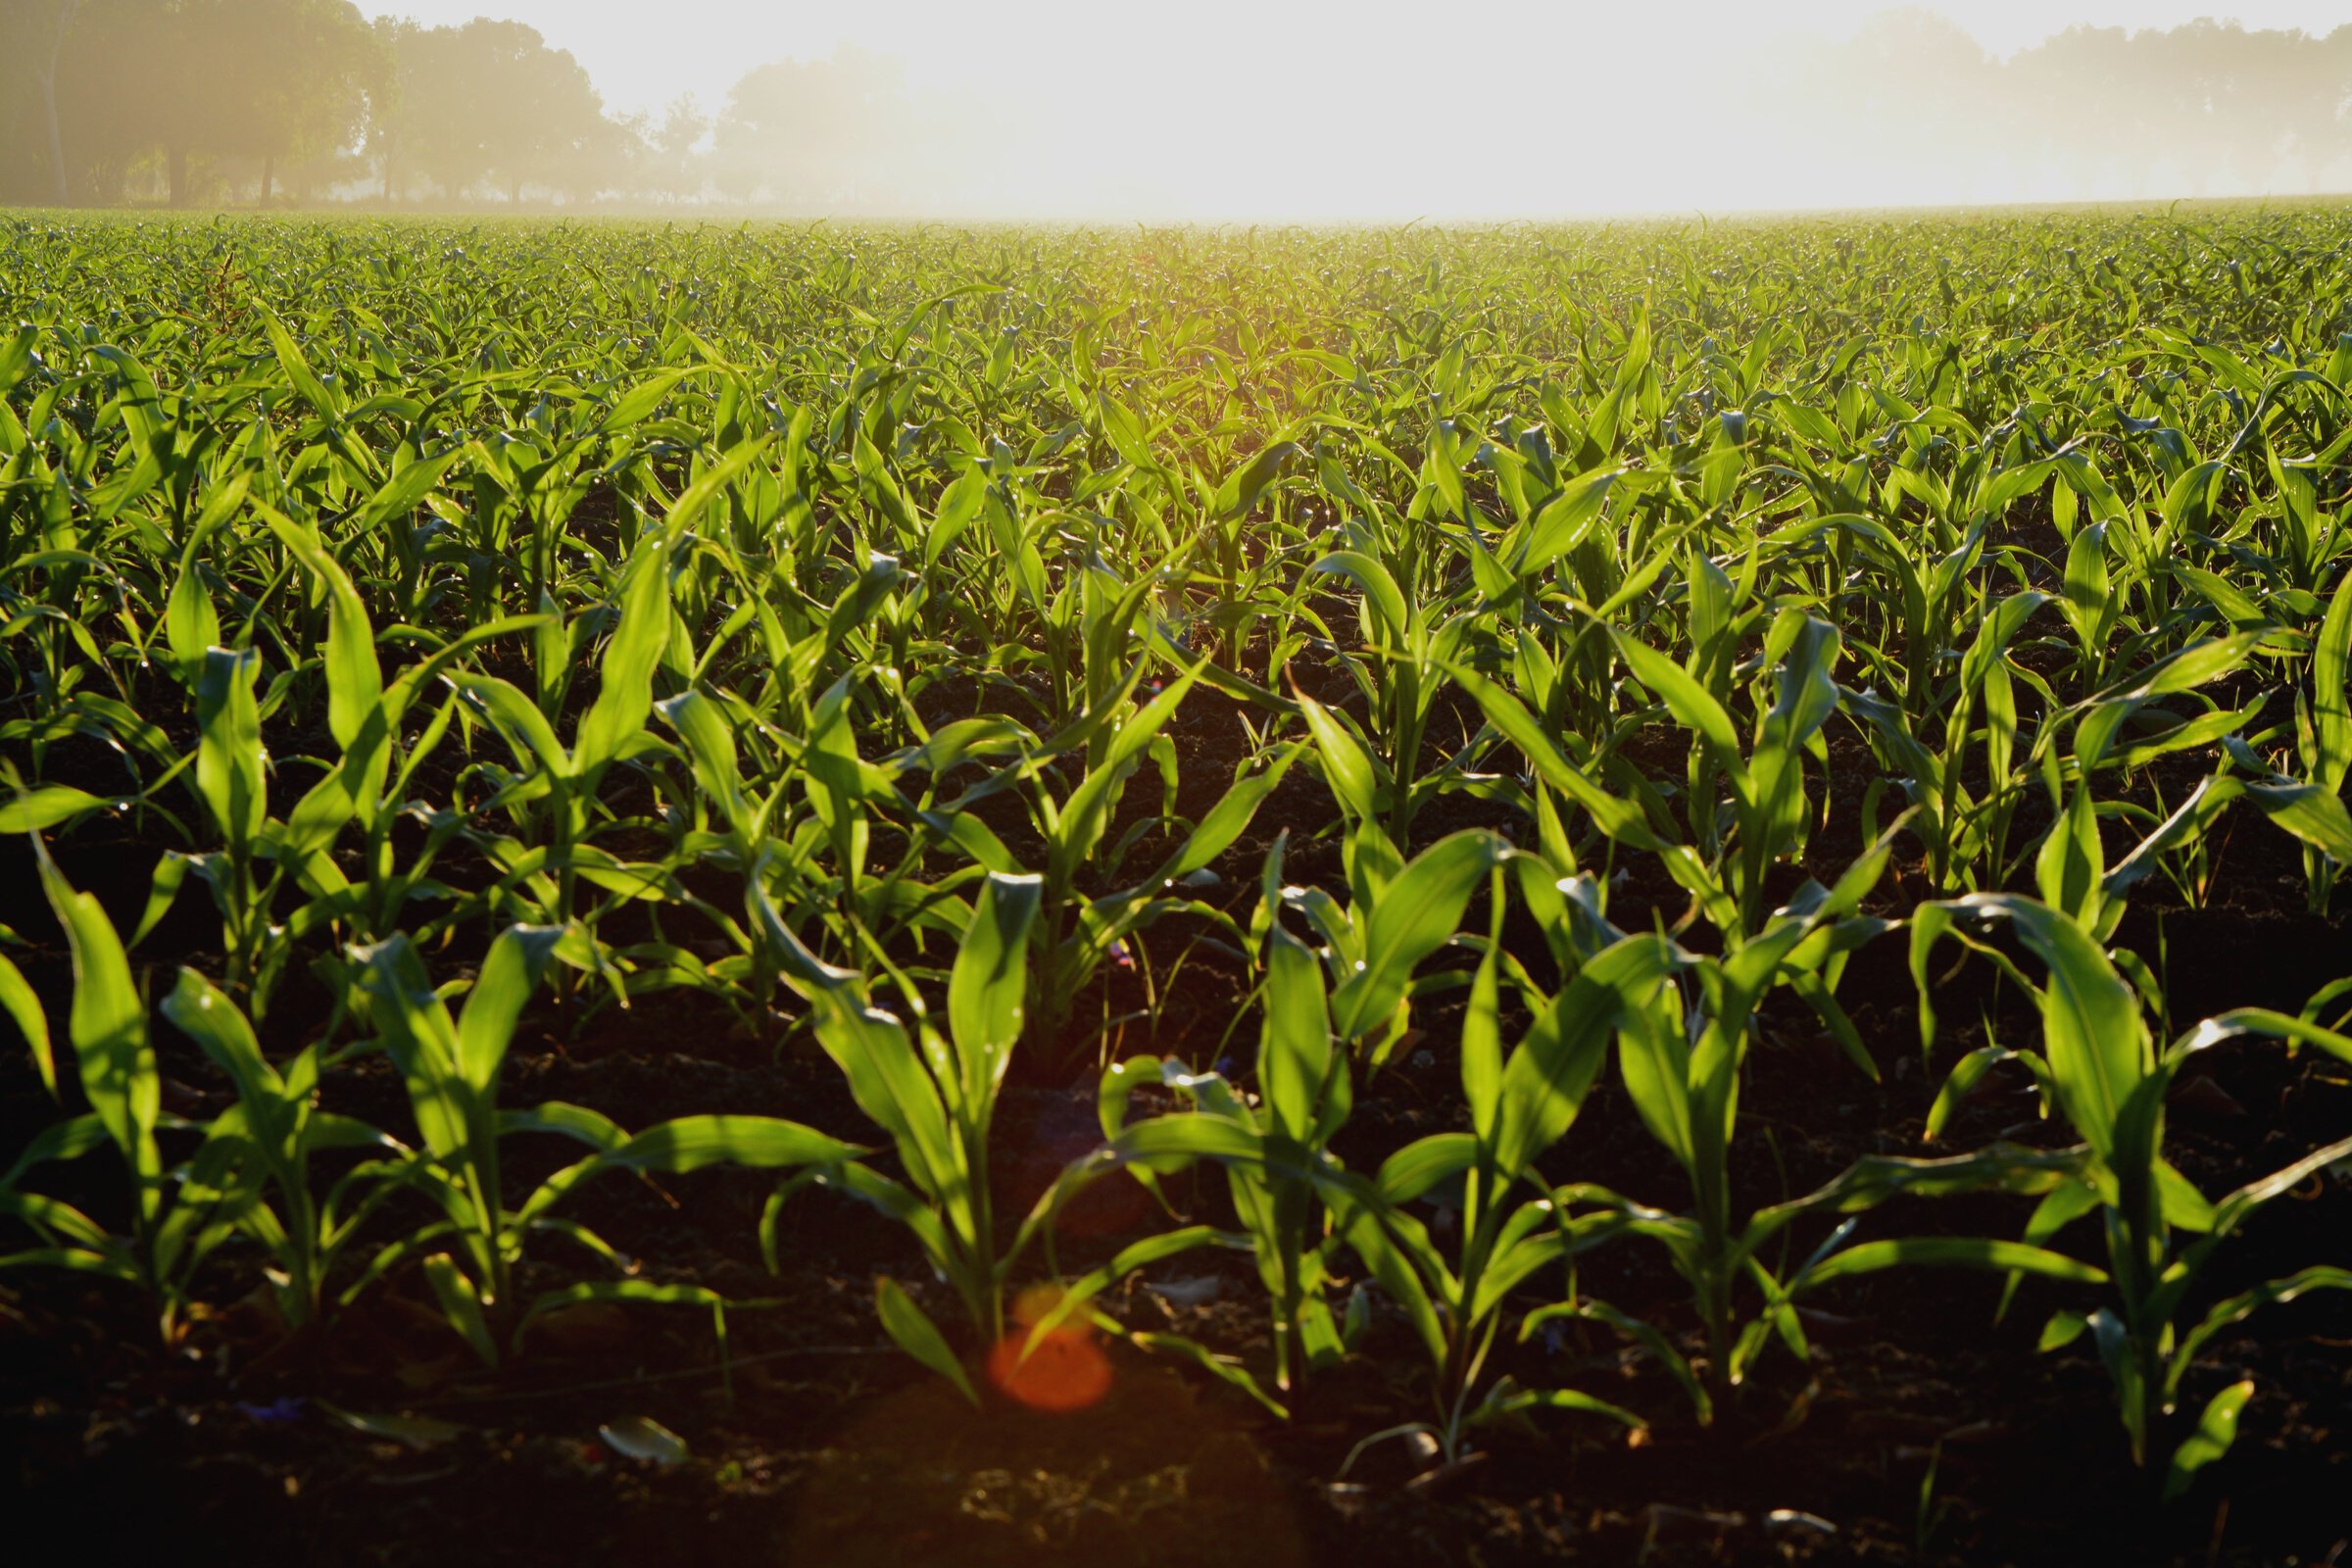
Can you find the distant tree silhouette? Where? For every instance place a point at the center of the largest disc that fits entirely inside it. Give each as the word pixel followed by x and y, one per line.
pixel 39 28
pixel 815 133
pixel 675 168
pixel 490 103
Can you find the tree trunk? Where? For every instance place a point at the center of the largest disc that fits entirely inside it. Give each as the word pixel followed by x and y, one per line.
pixel 269 170
pixel 57 137
pixel 57 141
pixel 175 160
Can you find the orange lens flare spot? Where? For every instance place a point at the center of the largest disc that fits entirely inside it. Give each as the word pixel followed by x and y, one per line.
pixel 1062 1371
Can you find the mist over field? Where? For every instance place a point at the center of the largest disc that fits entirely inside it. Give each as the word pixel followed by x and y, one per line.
pixel 1227 111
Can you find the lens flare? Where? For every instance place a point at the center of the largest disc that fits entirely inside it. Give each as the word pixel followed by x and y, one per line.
pixel 1059 1371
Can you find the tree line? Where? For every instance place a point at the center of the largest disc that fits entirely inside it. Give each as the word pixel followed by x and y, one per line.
pixel 286 101
pixel 2205 109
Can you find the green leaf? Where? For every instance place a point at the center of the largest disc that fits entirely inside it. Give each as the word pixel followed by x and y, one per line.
pixel 108 1027
pixel 1620 819
pixel 509 974
pixel 2217 1430
pixel 461 1305
pixel 229 759
pixel 404 491
pixel 1417 914
pixel 1380 592
pixel 2237 1309
pixel 1239 493
pixel 644 1439
pixel 2311 812
pixel 197 1009
pixel 2185 669
pixel 1564 521
pixel 624 695
pixel 1953 1251
pixel 1226 1369
pixel 988 988
pixel 190 623
pixel 36 810
pixel 1520 1401
pixel 1346 767
pixel 1295 1051
pixel 517 719
pixel 298 370
pixel 2094 1036
pixel 1688 701
pixel 694 496
pixel 2331 691
pixel 916 1334
pixel 1423 1164
pixel 1547 1079
pixel 23 1009
pixel 420 1039
pixel 355 682
pixel 759 1143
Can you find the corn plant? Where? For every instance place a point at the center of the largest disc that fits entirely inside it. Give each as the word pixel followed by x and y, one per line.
pixel 1682 1054
pixel 1521 1103
pixel 2103 1071
pixel 565 778
pixel 1768 806
pixel 1074 933
pixel 180 1214
pixel 282 1130
pixel 1305 1091
pixel 451 1068
pixel 1407 646
pixel 936 1101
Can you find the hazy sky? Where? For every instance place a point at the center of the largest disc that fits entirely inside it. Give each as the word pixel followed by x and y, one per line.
pixel 1275 110
pixel 643 55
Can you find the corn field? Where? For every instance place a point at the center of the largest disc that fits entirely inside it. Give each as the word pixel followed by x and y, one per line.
pixel 1660 892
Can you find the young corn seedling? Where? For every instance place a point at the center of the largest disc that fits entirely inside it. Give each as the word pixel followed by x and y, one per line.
pixel 2103 1071
pixel 1964 832
pixel 1681 1059
pixel 179 1214
pixel 555 792
pixel 232 780
pixel 1521 1103
pixel 1275 1146
pixel 1074 934
pixel 2313 807
pixel 1768 808
pixel 936 1096
pixel 1305 1095
pixel 278 1121
pixel 1399 674
pixel 451 1068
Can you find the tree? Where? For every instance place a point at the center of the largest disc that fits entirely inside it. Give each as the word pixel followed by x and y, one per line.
pixel 821 135
pixel 491 102
pixel 673 162
pixel 286 78
pixel 32 38
pixel 46 73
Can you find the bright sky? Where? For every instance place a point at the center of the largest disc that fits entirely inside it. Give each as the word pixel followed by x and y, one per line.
pixel 1338 108
pixel 642 54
